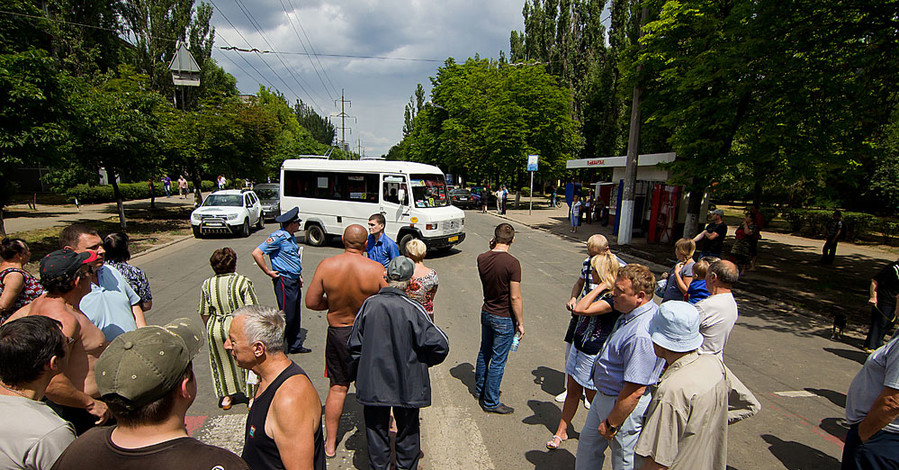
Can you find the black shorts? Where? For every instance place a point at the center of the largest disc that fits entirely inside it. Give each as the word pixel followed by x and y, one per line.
pixel 337 355
pixel 81 420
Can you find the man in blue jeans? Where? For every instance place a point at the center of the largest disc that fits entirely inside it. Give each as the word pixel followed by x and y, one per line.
pixel 501 316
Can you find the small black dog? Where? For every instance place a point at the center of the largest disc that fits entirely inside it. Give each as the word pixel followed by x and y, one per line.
pixel 839 323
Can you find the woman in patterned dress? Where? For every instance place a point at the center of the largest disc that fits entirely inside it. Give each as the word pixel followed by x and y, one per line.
pixel 423 285
pixel 220 296
pixel 17 286
pixel 117 256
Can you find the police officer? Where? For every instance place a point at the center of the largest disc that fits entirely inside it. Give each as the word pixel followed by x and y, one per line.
pixel 282 248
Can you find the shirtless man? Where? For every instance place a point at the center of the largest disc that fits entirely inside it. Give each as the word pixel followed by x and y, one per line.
pixel 340 284
pixel 65 276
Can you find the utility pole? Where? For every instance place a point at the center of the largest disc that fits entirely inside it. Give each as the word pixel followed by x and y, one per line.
pixel 626 218
pixel 343 116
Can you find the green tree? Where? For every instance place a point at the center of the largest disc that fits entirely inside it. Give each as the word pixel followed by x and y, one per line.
pixel 321 128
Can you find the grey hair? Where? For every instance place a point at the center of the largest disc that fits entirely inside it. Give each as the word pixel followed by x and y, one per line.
pixel 263 324
pixel 401 285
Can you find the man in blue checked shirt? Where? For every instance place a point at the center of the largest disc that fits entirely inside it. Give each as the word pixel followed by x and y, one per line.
pixel 380 247
pixel 623 371
pixel 282 248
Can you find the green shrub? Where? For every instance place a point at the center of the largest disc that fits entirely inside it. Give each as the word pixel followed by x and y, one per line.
pixel 525 191
pixel 94 194
pixel 856 225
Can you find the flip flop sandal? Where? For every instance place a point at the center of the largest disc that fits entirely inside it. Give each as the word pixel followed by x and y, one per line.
pixel 554 443
pixel 222 404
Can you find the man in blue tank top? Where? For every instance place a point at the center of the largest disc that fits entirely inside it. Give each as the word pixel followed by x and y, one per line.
pixel 284 424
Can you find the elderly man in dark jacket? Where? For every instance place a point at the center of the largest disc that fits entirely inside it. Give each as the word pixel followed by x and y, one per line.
pixel 392 344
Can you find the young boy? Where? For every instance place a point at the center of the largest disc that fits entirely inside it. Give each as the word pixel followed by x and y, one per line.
pixel 697 290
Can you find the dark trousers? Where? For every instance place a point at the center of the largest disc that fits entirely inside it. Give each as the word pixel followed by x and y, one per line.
pixel 881 451
pixel 408 437
pixel 81 420
pixel 829 253
pixel 881 321
pixel 288 293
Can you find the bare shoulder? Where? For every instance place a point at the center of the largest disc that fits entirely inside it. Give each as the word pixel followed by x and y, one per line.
pixel 295 392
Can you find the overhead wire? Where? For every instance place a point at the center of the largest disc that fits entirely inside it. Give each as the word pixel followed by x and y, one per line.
pixel 309 41
pixel 258 28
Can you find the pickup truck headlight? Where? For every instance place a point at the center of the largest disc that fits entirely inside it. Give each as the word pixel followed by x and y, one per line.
pixel 232 216
pixel 195 217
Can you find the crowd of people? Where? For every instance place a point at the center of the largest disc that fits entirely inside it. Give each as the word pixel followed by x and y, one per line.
pixel 92 384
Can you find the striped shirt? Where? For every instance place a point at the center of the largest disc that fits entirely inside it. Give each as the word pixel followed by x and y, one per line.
pixel 222 294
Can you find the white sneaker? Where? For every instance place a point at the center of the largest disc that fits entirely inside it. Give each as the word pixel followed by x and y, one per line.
pixel 560 398
pixel 586 401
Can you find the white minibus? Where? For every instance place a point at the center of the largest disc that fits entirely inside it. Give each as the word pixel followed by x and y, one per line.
pixel 333 194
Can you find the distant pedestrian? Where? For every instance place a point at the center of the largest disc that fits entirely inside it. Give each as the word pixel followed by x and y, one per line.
pixel 221 181
pixel 759 219
pixel 588 208
pixel 284 428
pixel 713 236
pixel 834 230
pixel 167 185
pixel 182 186
pixel 17 286
pixel 884 290
pixel 499 200
pixel 485 196
pixel 505 199
pixel 552 200
pixel 742 252
pixel 287 275
pixel 574 213
pixel 423 285
pixel 117 256
pixel 501 316
pixel 393 343
pixel 872 442
pixel 220 296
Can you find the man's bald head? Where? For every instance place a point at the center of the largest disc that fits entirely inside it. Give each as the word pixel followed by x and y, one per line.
pixel 726 272
pixel 354 237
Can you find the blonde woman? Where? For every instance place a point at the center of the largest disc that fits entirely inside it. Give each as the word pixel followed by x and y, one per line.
pixel 596 318
pixel 681 275
pixel 220 296
pixel 423 285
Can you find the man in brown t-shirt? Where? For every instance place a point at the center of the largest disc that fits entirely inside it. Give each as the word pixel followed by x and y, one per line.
pixel 501 316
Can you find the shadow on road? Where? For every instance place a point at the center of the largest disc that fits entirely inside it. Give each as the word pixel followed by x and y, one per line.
pixel 353 420
pixel 550 459
pixel 851 354
pixel 546 413
pixel 836 398
pixel 464 372
pixel 796 456
pixel 550 380
pixel 836 427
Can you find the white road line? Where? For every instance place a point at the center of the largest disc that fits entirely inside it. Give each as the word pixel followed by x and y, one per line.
pixel 796 394
pixel 450 437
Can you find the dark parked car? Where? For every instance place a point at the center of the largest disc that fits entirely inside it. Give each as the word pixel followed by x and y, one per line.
pixel 464 198
pixel 270 197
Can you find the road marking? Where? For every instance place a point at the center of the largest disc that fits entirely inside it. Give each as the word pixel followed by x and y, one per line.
pixel 450 437
pixel 796 394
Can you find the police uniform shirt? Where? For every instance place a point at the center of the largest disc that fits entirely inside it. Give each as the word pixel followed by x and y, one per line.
pixel 284 252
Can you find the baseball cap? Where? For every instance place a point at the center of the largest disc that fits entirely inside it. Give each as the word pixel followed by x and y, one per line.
pixel 400 269
pixel 144 365
pixel 63 263
pixel 675 327
pixel 717 212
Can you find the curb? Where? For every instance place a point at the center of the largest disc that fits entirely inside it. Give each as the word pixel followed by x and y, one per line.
pixel 164 245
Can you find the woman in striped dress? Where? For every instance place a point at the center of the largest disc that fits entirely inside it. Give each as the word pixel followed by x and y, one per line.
pixel 221 295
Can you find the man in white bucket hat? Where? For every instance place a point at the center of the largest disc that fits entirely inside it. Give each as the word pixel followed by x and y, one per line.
pixel 686 422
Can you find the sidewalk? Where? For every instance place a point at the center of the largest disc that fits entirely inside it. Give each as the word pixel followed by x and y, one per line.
pixel 19 218
pixel 787 270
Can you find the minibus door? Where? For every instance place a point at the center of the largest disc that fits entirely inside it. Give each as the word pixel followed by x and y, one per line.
pixel 394 203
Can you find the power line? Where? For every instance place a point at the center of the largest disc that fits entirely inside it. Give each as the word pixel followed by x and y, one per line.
pixel 303 44
pixel 258 28
pixel 339 56
pixel 263 77
pixel 317 59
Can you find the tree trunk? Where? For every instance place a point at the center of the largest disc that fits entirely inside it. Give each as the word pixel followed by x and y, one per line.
pixel 691 224
pixel 198 190
pixel 118 200
pixel 2 224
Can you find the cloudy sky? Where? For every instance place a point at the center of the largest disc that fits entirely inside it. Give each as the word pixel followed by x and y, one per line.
pixel 328 46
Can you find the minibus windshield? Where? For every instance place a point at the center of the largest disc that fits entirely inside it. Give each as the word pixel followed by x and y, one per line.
pixel 429 190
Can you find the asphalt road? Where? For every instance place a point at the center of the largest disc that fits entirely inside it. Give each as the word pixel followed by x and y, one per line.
pixel 795 370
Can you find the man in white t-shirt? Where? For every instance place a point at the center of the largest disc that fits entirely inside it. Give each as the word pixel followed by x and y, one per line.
pixel 32 350
pixel 719 311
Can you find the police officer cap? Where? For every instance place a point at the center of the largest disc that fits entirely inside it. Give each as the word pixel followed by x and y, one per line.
pixel 289 216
